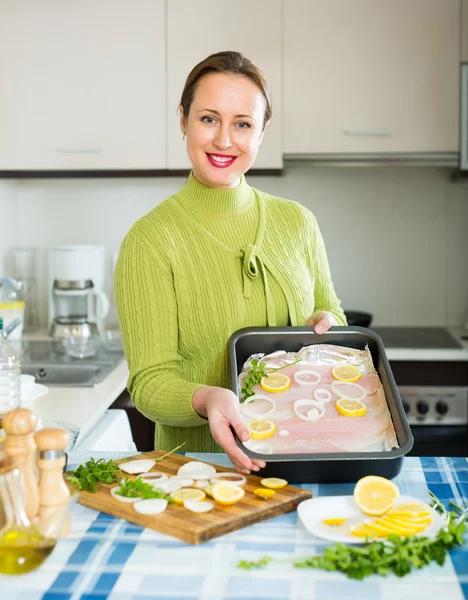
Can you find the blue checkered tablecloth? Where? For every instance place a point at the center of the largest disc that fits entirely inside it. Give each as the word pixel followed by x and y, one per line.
pixel 107 558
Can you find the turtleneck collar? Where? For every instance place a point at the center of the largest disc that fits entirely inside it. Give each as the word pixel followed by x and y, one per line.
pixel 213 201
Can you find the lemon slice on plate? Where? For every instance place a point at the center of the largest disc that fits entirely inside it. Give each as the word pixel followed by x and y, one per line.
pixel 335 521
pixel 260 430
pixel 227 493
pixel 180 496
pixel 347 373
pixel 351 408
pixel 274 483
pixel 276 382
pixel 375 495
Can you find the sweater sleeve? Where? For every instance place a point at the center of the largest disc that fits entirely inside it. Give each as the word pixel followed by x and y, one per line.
pixel 325 296
pixel 147 311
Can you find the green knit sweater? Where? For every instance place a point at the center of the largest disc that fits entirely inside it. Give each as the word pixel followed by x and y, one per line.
pixel 201 265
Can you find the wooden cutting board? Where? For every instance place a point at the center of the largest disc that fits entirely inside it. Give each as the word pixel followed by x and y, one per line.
pixel 196 528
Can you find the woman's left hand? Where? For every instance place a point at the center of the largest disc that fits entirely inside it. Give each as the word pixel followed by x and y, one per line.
pixel 322 321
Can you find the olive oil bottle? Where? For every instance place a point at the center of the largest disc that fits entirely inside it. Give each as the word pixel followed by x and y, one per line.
pixel 22 546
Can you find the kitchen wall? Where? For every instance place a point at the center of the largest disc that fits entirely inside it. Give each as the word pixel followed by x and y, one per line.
pixel 397 237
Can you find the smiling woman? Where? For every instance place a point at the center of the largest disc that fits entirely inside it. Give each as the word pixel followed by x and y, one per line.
pixel 213 258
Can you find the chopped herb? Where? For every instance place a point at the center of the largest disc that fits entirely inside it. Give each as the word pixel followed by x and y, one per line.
pixel 255 373
pixel 137 488
pixel 396 555
pixel 85 476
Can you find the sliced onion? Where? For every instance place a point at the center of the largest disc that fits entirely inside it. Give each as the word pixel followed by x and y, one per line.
pixel 321 391
pixel 153 478
pixel 197 470
pixel 133 467
pixel 312 403
pixel 168 486
pixel 233 478
pixel 258 397
pixel 114 494
pixel 201 484
pixel 283 432
pixel 184 481
pixel 297 377
pixel 151 506
pixel 335 385
pixel 198 506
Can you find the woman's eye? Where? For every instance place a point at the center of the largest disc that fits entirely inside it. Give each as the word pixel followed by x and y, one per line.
pixel 207 119
pixel 244 125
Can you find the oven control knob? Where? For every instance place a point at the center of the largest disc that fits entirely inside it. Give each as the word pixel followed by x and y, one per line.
pixel 423 407
pixel 406 407
pixel 441 407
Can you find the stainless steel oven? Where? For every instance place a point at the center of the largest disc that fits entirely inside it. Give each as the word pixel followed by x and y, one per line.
pixel 430 366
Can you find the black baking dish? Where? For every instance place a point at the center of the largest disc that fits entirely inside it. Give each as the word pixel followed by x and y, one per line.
pixel 331 467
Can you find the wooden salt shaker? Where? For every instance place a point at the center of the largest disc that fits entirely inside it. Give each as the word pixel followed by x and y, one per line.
pixel 54 494
pixel 19 425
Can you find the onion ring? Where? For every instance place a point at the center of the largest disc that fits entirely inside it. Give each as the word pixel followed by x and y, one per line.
pixel 300 381
pixel 251 399
pixel 322 391
pixel 335 384
pixel 306 402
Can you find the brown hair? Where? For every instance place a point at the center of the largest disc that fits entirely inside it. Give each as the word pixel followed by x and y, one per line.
pixel 229 62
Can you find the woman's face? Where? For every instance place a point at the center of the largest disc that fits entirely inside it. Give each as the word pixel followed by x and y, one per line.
pixel 224 129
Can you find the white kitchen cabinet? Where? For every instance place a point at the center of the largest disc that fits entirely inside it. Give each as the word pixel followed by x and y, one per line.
pixel 371 76
pixel 198 29
pixel 82 85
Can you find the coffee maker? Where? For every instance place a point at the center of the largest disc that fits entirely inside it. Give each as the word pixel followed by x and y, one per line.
pixel 77 302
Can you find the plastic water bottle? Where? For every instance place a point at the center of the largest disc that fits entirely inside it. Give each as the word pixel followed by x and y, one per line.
pixel 10 377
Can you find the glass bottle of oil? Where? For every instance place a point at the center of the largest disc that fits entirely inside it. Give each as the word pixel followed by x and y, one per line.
pixel 22 546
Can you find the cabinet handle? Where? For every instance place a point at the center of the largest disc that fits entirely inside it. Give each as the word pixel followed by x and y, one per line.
pixel 77 150
pixel 368 132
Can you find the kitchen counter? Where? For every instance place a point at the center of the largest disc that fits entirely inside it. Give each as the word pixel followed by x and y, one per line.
pixel 433 354
pixel 108 558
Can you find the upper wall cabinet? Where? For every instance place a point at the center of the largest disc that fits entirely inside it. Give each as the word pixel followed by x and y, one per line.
pixel 82 85
pixel 198 29
pixel 371 76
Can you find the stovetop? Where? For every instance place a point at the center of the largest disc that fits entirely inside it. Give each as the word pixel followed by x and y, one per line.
pixel 431 338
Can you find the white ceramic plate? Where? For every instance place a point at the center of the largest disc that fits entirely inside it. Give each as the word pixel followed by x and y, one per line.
pixel 312 512
pixel 33 394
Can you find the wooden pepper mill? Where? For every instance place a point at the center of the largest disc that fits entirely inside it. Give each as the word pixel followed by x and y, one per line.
pixel 54 494
pixel 19 425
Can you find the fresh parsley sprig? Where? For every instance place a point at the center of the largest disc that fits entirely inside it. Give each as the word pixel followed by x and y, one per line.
pixel 137 488
pixel 85 476
pixel 396 555
pixel 255 373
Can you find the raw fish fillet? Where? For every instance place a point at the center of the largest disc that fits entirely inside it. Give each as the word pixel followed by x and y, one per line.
pixel 333 432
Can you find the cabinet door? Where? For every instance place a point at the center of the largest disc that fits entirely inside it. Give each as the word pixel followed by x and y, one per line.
pixel 371 76
pixel 198 29
pixel 82 84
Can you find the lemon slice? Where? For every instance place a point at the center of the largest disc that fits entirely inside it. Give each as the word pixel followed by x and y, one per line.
pixel 334 522
pixel 380 529
pixel 346 373
pixel 180 496
pixel 264 494
pixel 351 408
pixel 260 430
pixel 413 507
pixel 208 490
pixel 375 495
pixel 274 483
pixel 362 531
pixel 276 382
pixel 426 520
pixel 400 527
pixel 227 493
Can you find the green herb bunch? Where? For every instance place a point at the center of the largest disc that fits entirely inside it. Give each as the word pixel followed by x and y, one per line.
pixel 396 555
pixel 85 476
pixel 254 374
pixel 137 488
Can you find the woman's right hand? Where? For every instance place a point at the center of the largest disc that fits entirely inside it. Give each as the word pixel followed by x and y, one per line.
pixel 221 407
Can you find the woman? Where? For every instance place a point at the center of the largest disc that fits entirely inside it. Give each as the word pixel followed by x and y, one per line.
pixel 215 257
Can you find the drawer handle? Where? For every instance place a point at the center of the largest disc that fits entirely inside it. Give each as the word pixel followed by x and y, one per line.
pixel 77 150
pixel 368 132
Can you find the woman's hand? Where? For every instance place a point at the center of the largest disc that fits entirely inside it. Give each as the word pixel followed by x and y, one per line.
pixel 221 407
pixel 322 321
